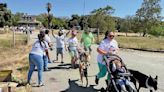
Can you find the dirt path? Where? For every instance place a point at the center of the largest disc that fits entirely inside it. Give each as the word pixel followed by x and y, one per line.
pixel 57 80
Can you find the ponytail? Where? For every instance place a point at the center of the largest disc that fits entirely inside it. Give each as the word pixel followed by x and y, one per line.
pixel 106 34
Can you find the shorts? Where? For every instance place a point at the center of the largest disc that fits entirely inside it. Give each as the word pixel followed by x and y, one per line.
pixel 59 50
pixel 73 53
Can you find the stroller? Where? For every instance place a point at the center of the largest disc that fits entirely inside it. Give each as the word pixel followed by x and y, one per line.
pixel 112 84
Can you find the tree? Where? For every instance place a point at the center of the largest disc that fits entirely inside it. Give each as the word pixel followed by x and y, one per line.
pixel 149 14
pixel 102 18
pixel 5 15
pixel 49 16
pixel 84 22
pixel 16 17
pixel 74 21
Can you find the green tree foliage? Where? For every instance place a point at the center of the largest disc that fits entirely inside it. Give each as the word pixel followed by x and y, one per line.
pixel 84 22
pixel 149 15
pixel 74 21
pixel 43 19
pixel 5 16
pixel 58 22
pixel 16 17
pixel 102 20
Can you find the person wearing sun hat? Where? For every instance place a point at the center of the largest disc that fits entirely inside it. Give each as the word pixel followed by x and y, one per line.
pixel 107 45
pixel 73 48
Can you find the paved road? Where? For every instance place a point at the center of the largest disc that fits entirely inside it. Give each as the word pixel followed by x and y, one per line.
pixel 57 80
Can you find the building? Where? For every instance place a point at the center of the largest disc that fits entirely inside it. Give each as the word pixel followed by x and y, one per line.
pixel 29 20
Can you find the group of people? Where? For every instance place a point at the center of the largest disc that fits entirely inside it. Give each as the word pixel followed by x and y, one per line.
pixel 39 55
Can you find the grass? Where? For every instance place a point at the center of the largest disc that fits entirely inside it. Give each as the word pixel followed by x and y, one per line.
pixel 133 40
pixel 141 43
pixel 6 40
pixel 15 58
pixel 137 42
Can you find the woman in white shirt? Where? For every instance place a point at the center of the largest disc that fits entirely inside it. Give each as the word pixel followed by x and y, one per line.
pixel 107 45
pixel 73 48
pixel 36 58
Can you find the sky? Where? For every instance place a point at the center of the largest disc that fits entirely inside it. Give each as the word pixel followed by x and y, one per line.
pixel 65 8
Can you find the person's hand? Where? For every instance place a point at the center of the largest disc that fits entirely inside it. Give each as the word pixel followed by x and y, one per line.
pixel 109 53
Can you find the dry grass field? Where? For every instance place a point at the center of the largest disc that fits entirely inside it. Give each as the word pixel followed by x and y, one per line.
pixel 136 41
pixel 13 58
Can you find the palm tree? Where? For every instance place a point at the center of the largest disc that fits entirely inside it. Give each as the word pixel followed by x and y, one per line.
pixel 49 7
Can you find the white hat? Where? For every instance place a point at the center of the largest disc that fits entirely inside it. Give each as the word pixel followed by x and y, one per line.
pixel 62 31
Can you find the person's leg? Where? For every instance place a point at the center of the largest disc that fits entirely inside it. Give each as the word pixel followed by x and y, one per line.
pixel 76 56
pixel 57 53
pixel 122 84
pixel 90 50
pixel 61 52
pixel 62 58
pixel 72 58
pixel 102 70
pixel 32 67
pixel 130 84
pixel 39 62
pixel 45 63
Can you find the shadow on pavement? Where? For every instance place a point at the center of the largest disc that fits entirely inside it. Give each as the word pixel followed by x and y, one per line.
pixel 61 66
pixel 74 87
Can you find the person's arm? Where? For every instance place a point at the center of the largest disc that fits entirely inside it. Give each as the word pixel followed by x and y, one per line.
pixel 46 49
pixel 53 34
pixel 101 51
pixel 65 44
pixel 49 42
pixel 114 67
pixel 67 33
pixel 116 48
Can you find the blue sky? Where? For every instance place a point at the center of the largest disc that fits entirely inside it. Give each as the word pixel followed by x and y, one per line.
pixel 68 7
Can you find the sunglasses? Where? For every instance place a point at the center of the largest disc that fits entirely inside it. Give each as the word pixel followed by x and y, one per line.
pixel 111 35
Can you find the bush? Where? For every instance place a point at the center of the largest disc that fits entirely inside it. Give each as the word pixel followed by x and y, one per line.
pixel 157 31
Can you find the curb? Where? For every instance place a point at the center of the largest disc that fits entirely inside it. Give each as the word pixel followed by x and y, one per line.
pixel 148 50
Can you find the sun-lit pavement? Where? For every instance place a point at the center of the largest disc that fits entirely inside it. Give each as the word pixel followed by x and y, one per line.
pixel 57 80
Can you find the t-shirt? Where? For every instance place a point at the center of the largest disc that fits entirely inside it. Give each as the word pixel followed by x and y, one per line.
pixel 106 45
pixel 87 39
pixel 72 43
pixel 38 49
pixel 47 38
pixel 60 41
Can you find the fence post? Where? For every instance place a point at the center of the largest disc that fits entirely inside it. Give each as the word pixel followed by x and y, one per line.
pixel 13 37
pixel 28 36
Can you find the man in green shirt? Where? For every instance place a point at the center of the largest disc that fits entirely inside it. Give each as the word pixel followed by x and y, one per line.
pixel 87 39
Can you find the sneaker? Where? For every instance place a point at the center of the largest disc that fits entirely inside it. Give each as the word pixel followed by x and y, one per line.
pixel 62 62
pixel 96 80
pixel 28 83
pixel 49 61
pixel 47 69
pixel 40 84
